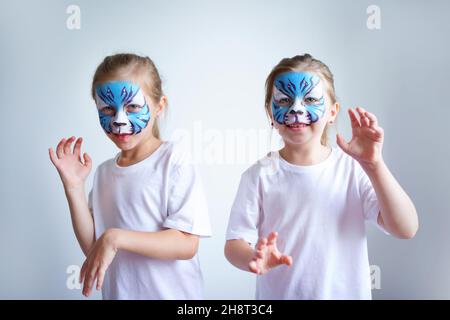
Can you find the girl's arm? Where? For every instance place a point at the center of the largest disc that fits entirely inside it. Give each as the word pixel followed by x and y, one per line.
pixel 167 244
pixel 239 253
pixel 82 220
pixel 397 212
pixel 73 172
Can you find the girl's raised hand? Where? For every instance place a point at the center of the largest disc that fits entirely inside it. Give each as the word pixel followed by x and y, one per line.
pixel 367 138
pixel 267 255
pixel 71 168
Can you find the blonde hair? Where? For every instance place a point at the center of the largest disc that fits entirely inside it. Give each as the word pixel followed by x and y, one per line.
pixel 301 63
pixel 132 66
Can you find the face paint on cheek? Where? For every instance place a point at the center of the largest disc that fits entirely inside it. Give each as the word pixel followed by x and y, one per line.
pixel 122 108
pixel 297 97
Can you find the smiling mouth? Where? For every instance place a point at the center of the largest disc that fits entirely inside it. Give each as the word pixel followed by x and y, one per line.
pixel 122 137
pixel 297 125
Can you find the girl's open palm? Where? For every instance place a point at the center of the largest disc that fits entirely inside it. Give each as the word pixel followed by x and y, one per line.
pixel 267 255
pixel 367 138
pixel 72 170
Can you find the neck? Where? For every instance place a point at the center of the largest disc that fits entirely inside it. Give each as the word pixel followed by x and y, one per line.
pixel 305 154
pixel 139 152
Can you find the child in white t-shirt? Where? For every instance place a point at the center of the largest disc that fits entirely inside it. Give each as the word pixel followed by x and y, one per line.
pixel 305 206
pixel 141 224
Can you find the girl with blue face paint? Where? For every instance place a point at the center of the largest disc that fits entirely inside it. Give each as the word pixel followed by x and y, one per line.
pixel 304 207
pixel 141 224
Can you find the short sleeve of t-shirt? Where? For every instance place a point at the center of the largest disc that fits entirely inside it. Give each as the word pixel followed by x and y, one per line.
pixel 187 206
pixel 245 212
pixel 370 205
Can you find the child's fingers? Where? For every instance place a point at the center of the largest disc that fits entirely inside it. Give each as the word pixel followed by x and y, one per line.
pixel 287 260
pixel 59 148
pixel 272 238
pixel 87 160
pixel 100 277
pixel 360 110
pixel 89 282
pixel 261 243
pixel 259 254
pixel 353 119
pixel 253 267
pixel 366 122
pixel 77 147
pixel 82 272
pixel 53 157
pixel 372 119
pixel 363 119
pixel 68 145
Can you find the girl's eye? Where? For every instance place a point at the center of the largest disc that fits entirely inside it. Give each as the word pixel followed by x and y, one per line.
pixel 133 108
pixel 109 111
pixel 283 101
pixel 311 100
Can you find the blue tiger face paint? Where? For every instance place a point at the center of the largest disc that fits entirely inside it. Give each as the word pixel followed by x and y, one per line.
pixel 297 97
pixel 122 108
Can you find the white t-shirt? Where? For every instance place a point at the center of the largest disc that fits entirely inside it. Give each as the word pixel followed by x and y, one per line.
pixel 319 212
pixel 162 191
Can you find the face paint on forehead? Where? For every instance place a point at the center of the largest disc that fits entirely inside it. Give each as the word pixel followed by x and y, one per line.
pixel 122 108
pixel 297 97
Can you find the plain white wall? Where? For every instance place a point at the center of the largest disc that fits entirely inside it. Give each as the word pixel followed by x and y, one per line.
pixel 214 57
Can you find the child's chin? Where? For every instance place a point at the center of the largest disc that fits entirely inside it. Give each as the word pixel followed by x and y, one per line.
pixel 295 137
pixel 296 140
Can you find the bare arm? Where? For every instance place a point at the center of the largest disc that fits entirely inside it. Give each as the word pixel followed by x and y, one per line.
pixel 167 244
pixel 73 172
pixel 82 220
pixel 239 253
pixel 397 212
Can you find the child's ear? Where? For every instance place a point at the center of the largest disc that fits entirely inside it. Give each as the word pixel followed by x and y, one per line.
pixel 161 105
pixel 335 110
